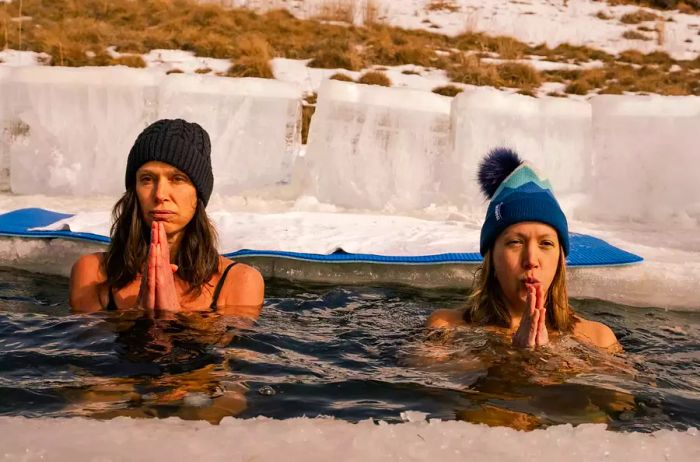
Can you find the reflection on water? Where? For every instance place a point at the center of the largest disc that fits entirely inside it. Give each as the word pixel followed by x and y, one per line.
pixel 349 352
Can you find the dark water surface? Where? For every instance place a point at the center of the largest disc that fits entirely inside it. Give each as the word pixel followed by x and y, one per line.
pixel 349 352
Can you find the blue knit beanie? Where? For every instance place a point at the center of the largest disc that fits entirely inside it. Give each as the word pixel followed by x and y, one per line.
pixel 517 194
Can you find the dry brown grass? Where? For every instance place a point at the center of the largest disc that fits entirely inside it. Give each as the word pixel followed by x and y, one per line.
pixel 130 61
pixel 634 35
pixel 442 5
pixel 308 108
pixel 470 70
pixel 375 78
pixel 77 33
pixel 448 90
pixel 341 77
pixel 519 75
pixel 603 15
pixel 684 6
pixel 639 16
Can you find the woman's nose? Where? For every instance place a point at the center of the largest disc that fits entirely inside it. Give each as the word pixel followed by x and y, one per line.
pixel 531 256
pixel 161 190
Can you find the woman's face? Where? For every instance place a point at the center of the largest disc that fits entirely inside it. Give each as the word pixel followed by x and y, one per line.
pixel 165 194
pixel 525 253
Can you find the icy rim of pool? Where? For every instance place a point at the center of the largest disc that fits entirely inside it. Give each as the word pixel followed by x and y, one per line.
pixel 329 439
pixel 667 278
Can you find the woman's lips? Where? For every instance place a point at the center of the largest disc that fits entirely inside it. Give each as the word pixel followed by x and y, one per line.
pixel 531 280
pixel 161 215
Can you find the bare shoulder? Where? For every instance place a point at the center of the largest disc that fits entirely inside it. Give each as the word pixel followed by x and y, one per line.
pixel 86 277
pixel 446 319
pixel 244 285
pixel 596 333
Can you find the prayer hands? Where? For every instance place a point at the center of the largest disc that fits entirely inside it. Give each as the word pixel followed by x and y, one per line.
pixel 158 290
pixel 532 331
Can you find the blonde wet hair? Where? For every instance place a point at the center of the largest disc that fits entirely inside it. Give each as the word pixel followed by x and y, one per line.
pixel 486 304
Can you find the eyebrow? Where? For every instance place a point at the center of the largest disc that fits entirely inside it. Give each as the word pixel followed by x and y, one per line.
pixel 168 171
pixel 539 236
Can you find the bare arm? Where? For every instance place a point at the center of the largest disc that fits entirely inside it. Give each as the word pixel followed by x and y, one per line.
pixel 597 334
pixel 86 279
pixel 243 292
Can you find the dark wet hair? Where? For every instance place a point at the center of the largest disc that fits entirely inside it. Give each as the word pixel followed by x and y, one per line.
pixel 197 258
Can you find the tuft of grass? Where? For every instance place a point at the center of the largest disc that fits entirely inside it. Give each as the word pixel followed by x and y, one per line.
pixel 470 70
pixel 448 90
pixel 684 6
pixel 639 16
pixel 603 15
pixel 175 71
pixel 253 54
pixel 342 77
pixel 518 75
pixel 308 109
pixel 338 55
pixel 634 35
pixel 129 60
pixel 202 70
pixel 442 5
pixel 578 87
pixel 375 78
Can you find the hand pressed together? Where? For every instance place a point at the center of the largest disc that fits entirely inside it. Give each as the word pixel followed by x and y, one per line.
pixel 532 331
pixel 158 291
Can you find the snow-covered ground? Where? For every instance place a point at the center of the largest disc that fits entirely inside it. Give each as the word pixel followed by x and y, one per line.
pixel 329 439
pixel 532 21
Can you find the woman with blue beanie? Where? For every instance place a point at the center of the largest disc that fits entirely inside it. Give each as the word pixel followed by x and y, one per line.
pixel 163 252
pixel 521 285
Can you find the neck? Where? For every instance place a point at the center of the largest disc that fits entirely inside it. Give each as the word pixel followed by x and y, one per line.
pixel 174 241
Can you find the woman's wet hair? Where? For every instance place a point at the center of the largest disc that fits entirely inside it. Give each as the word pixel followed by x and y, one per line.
pixel 197 257
pixel 487 306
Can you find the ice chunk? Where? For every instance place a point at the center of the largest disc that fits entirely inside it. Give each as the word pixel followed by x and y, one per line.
pixel 645 159
pixel 254 125
pixel 552 133
pixel 375 148
pixel 71 129
pixel 4 133
pixel 321 439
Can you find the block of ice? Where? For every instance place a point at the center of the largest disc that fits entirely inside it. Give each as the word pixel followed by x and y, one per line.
pixel 553 133
pixel 374 148
pixel 71 129
pixel 645 159
pixel 4 133
pixel 254 124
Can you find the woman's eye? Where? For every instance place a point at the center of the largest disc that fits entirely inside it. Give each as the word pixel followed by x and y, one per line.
pixel 179 179
pixel 145 179
pixel 547 244
pixel 513 242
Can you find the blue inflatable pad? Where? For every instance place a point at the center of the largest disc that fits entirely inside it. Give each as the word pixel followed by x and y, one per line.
pixel 586 251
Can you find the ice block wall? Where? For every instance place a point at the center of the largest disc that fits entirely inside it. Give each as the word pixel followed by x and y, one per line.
pixel 378 148
pixel 552 133
pixel 254 125
pixel 646 159
pixel 71 129
pixel 4 135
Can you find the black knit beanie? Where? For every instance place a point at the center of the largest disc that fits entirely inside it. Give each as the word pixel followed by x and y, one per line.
pixel 182 144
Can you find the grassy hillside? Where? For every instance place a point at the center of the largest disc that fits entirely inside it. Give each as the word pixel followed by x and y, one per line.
pixel 78 33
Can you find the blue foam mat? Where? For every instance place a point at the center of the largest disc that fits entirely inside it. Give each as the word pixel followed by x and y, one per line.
pixel 585 250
